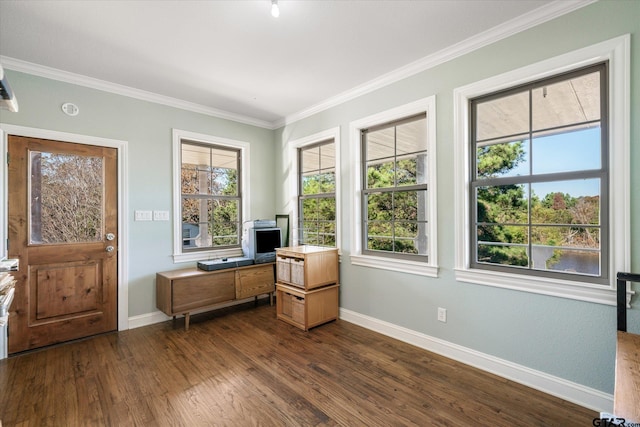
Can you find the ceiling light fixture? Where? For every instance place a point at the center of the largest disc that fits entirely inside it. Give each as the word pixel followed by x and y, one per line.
pixel 275 10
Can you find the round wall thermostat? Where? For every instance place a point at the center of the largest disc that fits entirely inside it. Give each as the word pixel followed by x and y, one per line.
pixel 70 109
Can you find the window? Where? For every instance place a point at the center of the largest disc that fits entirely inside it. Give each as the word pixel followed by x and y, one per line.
pixel 542 175
pixel 317 194
pixel 209 183
pixel 394 181
pixel 395 188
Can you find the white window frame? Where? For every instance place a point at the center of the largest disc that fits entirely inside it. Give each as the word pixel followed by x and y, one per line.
pixel 617 52
pixel 178 135
pixel 430 267
pixel 292 208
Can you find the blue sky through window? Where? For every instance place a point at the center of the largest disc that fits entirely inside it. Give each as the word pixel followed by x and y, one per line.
pixel 563 152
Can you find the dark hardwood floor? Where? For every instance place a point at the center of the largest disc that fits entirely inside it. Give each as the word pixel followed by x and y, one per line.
pixel 240 366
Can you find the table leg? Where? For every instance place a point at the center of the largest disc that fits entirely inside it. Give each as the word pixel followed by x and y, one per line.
pixel 186 321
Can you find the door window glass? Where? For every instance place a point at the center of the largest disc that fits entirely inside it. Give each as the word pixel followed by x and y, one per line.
pixel 66 198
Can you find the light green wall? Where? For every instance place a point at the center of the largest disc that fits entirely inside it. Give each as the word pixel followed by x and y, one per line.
pixel 147 127
pixel 569 339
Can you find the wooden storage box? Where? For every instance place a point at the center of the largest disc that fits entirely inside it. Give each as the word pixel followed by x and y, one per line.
pixel 307 267
pixel 306 309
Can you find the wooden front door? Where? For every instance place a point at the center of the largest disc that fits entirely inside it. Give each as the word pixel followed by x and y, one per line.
pixel 63 229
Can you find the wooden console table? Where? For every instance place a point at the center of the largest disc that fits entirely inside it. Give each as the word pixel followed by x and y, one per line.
pixel 186 290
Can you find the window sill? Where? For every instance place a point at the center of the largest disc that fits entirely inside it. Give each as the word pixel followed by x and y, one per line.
pixel 207 255
pixel 539 285
pixel 394 264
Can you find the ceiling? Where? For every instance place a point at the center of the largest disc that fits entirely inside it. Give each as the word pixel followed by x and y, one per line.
pixel 234 60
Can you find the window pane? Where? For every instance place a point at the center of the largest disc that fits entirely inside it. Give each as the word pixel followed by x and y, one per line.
pixel 196 155
pixel 327 156
pixel 319 183
pixel 572 150
pixel 318 221
pixel 379 236
pixel 224 182
pixel 381 175
pixel 506 245
pixel 567 102
pixel 380 206
pixel 66 198
pixel 310 160
pixel 502 204
pixel 411 137
pixel 224 222
pixel 504 116
pixel 509 158
pixel 503 234
pixel 380 145
pixel 191 181
pixel 572 237
pixel 308 234
pixel 406 237
pixel 510 255
pixel 327 208
pixel 405 205
pixel 224 159
pixel 309 209
pixel 566 202
pixel 571 261
pixel 194 223
pixel 412 171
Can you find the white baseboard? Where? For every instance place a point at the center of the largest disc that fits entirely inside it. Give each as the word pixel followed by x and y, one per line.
pixel 158 316
pixel 147 319
pixel 559 387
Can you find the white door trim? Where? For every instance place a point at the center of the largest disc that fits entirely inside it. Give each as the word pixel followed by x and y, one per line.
pixel 123 199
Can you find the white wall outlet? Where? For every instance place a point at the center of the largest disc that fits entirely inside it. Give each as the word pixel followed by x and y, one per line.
pixel 142 216
pixel 442 314
pixel 161 215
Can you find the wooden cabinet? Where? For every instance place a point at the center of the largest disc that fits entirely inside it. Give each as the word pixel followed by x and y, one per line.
pixel 306 309
pixel 307 267
pixel 183 291
pixel 307 287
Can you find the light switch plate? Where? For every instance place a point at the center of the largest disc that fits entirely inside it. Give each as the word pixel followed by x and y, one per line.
pixel 142 216
pixel 161 215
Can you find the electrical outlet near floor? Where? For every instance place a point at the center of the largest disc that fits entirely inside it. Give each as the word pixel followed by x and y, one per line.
pixel 442 314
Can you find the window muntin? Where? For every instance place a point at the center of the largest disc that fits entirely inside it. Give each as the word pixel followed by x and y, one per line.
pixel 394 205
pixel 211 201
pixel 317 194
pixel 539 193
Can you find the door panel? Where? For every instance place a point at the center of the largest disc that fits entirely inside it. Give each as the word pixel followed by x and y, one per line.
pixel 63 290
pixel 62 204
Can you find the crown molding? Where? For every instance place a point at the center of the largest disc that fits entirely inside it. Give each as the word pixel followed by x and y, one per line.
pixel 106 86
pixel 502 31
